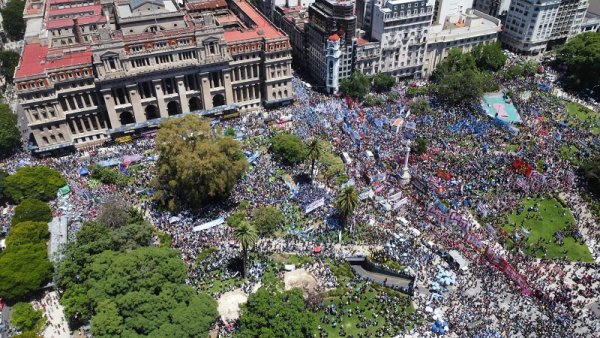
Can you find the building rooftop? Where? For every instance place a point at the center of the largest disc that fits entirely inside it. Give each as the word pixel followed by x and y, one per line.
pixel 262 27
pixel 462 26
pixel 36 59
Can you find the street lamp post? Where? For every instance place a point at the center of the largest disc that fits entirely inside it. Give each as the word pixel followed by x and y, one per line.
pixel 405 174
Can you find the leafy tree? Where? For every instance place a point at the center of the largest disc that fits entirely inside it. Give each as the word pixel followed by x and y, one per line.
pixel 383 82
pixel 12 16
pixel 24 317
pixel 288 148
pixel 268 220
pixel 591 172
pixel 27 233
pixel 314 152
pixel 332 164
pixel 9 60
pixel 107 322
pixel 23 270
pixel 196 165
pixel 246 235
pixel 420 146
pixel 357 86
pixel 271 313
pixel 10 137
pixel 3 176
pixel 465 86
pixel 581 56
pixel 32 209
pixel 114 212
pixel 420 107
pixel 347 202
pixel 235 219
pixel 137 292
pixel 489 56
pixel 455 62
pixel 38 182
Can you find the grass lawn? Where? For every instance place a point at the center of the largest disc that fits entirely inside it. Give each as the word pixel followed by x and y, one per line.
pixel 569 153
pixel 542 224
pixel 583 114
pixel 366 305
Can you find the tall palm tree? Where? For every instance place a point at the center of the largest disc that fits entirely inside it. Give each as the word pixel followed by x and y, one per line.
pixel 246 234
pixel 314 150
pixel 346 203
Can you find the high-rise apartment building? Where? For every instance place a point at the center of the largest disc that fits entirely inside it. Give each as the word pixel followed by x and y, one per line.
pixel 91 70
pixel 497 8
pixel 330 41
pixel 531 26
pixel 399 28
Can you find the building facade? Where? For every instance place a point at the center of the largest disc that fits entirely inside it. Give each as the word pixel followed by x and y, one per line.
pixel 98 69
pixel 463 31
pixel 532 26
pixel 400 29
pixel 496 8
pixel 330 41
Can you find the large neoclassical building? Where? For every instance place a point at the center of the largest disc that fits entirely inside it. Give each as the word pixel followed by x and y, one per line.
pixel 92 70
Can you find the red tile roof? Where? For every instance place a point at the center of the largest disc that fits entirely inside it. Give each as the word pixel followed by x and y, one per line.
pixel 263 26
pixel 96 9
pixel 206 4
pixel 85 20
pixel 34 60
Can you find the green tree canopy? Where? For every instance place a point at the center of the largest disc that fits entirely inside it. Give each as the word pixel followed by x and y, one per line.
pixel 197 165
pixel 383 82
pixel 357 86
pixel 421 145
pixel 27 233
pixel 25 318
pixel 10 137
pixel 268 220
pixel 288 148
pixel 31 209
pixel 245 233
pixel 581 56
pixel 3 176
pixel 12 16
pixel 314 153
pixel 9 61
pixel 464 86
pixel 591 172
pixel 137 293
pixel 23 269
pixel 489 56
pixel 38 182
pixel 346 202
pixel 455 62
pixel 271 313
pixel 420 107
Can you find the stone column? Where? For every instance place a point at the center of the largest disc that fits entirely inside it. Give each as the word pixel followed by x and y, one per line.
pixel 136 103
pixel 227 84
pixel 207 98
pixel 181 90
pixel 160 98
pixel 110 108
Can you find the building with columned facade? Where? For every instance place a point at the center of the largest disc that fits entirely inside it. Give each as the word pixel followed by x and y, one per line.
pixel 95 70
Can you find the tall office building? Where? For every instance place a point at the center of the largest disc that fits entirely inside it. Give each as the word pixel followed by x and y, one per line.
pixel 330 42
pixel 92 70
pixel 397 38
pixel 445 8
pixel 497 8
pixel 531 26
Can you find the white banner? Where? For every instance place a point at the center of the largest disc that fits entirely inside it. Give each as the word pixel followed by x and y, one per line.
pixel 395 197
pixel 401 203
pixel 209 225
pixel 314 205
